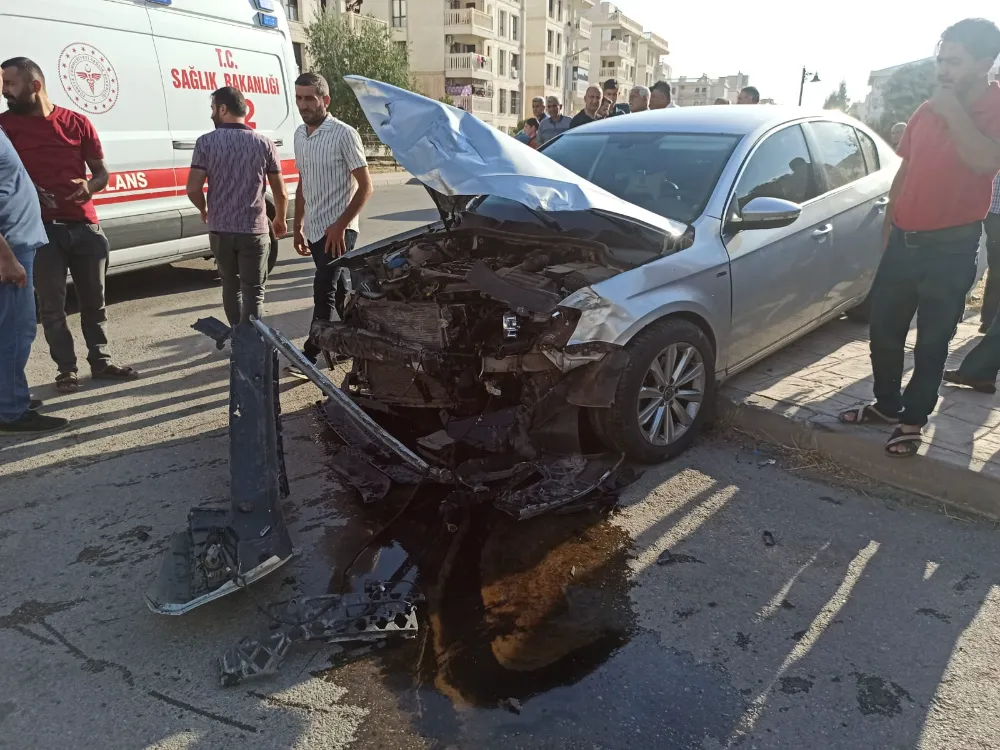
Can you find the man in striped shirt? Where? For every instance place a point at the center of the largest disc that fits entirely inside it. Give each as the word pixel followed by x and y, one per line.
pixel 238 163
pixel 334 185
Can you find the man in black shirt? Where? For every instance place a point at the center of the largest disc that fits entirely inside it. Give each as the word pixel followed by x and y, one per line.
pixel 593 108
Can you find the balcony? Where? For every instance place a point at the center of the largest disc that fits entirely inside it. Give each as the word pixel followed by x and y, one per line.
pixel 468 65
pixel 657 42
pixel 477 105
pixel 469 22
pixel 617 17
pixel 358 21
pixel 662 72
pixel 583 28
pixel 618 72
pixel 579 88
pixel 616 48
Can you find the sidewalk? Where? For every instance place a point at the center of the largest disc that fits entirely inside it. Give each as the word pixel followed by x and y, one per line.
pixel 383 179
pixel 794 397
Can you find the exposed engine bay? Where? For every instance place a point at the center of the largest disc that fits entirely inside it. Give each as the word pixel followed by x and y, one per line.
pixel 459 348
pixel 463 319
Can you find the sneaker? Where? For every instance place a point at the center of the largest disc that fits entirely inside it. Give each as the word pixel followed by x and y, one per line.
pixel 984 327
pixel 32 422
pixel 35 404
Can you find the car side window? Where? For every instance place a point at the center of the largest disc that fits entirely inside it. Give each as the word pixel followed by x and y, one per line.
pixel 870 150
pixel 779 168
pixel 840 158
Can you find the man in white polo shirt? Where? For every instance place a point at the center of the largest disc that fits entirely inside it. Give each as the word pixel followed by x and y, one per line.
pixel 334 185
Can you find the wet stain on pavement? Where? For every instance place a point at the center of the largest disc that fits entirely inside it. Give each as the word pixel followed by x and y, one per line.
pixel 876 697
pixel 793 685
pixel 934 613
pixel 966 583
pixel 523 623
pixel 743 640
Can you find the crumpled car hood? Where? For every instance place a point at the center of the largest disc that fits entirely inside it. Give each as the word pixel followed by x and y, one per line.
pixel 457 154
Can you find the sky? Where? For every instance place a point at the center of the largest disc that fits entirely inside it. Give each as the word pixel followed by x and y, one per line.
pixel 771 40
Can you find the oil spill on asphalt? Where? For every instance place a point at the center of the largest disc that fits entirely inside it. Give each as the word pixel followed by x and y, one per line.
pixel 527 634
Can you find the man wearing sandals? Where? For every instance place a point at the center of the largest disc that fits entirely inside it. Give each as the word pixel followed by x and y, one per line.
pixel 933 224
pixel 57 147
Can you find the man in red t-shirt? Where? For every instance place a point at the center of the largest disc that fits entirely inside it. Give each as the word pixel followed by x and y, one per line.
pixel 933 224
pixel 57 147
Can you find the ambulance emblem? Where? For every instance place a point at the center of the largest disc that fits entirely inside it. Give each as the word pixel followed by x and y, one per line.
pixel 88 78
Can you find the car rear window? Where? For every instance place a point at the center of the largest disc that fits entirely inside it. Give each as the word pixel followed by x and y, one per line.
pixel 671 174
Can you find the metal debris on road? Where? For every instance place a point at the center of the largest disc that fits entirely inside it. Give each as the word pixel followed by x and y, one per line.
pixel 384 611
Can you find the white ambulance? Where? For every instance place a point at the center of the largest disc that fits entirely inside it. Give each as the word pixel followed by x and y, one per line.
pixel 143 72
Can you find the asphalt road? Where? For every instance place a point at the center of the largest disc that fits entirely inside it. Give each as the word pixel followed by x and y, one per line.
pixel 859 620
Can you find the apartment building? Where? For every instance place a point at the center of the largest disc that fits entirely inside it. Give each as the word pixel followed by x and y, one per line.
pixel 301 13
pixel 701 91
pixel 492 57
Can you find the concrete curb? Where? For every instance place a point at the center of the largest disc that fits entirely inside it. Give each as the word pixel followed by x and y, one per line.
pixel 942 475
pixel 384 179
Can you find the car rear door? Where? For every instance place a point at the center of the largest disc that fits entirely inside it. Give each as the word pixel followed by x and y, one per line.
pixel 855 196
pixel 205 46
pixel 777 280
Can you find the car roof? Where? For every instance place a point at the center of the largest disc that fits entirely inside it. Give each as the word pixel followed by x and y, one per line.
pixel 739 119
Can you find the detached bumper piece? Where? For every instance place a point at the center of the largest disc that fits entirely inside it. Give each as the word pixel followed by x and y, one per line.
pixel 223 551
pixel 383 612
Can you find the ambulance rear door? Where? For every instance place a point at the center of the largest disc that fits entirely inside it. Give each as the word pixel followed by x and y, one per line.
pixel 203 46
pixel 98 59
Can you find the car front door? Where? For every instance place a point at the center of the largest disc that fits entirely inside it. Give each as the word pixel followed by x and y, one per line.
pixel 855 196
pixel 777 274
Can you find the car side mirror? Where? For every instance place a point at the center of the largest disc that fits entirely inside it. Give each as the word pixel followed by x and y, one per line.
pixel 766 213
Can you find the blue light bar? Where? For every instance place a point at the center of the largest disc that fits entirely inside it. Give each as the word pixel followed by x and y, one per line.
pixel 267 5
pixel 268 22
pixel 160 2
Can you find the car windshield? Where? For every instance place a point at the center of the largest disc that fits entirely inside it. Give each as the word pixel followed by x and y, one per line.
pixel 671 174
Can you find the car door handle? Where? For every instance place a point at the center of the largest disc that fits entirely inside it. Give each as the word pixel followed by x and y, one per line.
pixel 823 231
pixel 184 145
pixel 884 201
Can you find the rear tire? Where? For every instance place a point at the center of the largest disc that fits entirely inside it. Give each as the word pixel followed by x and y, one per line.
pixel 685 378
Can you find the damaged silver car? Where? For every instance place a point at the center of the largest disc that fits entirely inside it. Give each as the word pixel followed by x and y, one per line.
pixel 546 312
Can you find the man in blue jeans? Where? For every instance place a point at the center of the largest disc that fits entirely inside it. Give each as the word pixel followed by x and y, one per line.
pixel 21 234
pixel 933 225
pixel 334 185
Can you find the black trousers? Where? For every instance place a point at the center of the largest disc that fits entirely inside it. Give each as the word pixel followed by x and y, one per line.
pixel 991 297
pixel 325 286
pixel 932 282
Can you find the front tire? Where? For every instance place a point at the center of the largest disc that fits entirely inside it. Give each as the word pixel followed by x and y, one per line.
pixel 664 395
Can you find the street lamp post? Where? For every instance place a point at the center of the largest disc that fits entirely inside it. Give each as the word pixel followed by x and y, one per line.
pixel 802 81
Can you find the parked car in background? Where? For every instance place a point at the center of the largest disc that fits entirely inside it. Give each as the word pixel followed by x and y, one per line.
pixel 143 73
pixel 628 268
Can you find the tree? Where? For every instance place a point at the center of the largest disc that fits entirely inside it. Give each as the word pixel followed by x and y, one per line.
pixel 838 99
pixel 339 47
pixel 906 89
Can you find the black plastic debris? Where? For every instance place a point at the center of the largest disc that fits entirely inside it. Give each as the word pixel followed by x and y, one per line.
pixel 384 611
pixel 669 558
pixel 215 329
pixel 222 551
pixel 768 538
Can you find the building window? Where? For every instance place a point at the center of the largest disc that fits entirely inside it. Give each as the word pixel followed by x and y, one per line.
pixel 502 62
pixel 552 8
pixel 515 103
pixel 515 65
pixel 559 5
pixel 398 14
pixel 297 51
pixel 550 37
pixel 292 9
pixel 558 44
pixel 514 30
pixel 548 74
pixel 558 75
pixel 503 100
pixel 503 24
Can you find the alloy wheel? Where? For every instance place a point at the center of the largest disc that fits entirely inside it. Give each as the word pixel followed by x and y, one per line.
pixel 671 394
